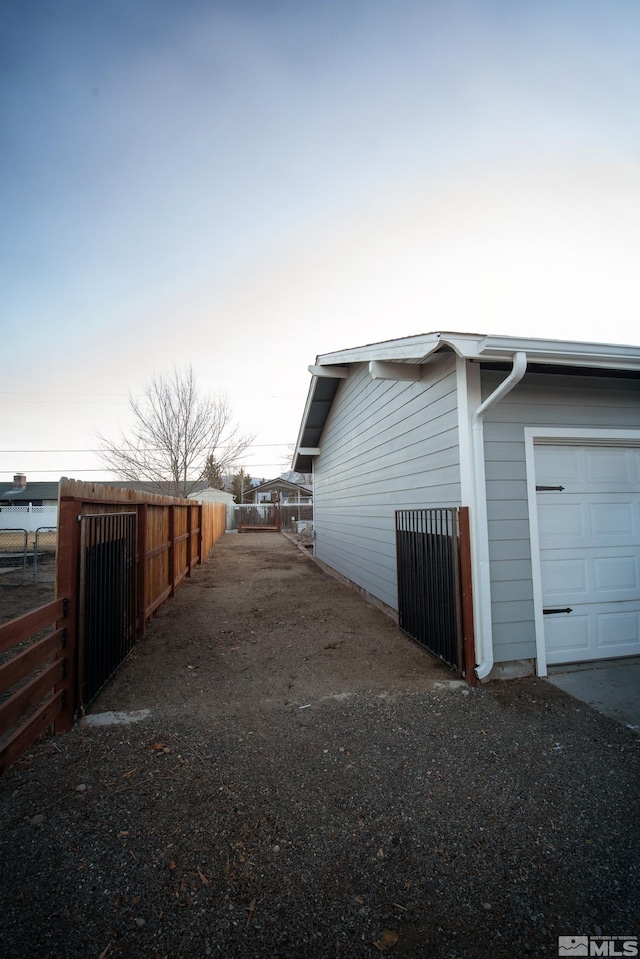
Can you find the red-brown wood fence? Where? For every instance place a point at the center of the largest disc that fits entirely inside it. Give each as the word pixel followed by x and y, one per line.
pixel 39 683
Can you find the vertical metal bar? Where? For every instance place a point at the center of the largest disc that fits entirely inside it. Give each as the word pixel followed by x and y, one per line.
pixel 82 607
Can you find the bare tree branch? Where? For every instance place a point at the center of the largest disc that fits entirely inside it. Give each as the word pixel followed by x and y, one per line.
pixel 175 429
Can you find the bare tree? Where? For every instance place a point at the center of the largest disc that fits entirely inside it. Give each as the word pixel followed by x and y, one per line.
pixel 294 476
pixel 175 431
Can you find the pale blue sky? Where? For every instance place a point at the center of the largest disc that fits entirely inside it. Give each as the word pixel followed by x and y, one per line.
pixel 244 185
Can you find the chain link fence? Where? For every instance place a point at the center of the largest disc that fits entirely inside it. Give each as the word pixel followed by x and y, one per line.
pixel 14 545
pixel 27 557
pixel 44 554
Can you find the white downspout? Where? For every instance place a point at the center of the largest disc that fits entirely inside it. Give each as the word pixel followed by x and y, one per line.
pixel 482 579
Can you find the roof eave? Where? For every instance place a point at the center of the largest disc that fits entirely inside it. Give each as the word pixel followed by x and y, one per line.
pixel 470 346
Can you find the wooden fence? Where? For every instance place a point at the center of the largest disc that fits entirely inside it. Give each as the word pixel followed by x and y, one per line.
pixel 37 677
pixel 39 683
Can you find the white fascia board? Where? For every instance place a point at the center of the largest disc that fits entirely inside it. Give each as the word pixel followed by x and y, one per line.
pixel 409 348
pixel 491 347
pixel 309 451
pixel 331 371
pixel 415 349
pixel 562 353
pixel 303 421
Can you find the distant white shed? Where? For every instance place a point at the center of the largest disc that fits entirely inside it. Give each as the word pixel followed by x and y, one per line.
pixel 211 495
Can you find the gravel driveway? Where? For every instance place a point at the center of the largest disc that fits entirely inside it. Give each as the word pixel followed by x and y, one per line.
pixel 308 783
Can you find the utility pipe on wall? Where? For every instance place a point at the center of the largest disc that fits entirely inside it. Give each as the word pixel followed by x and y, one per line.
pixel 482 577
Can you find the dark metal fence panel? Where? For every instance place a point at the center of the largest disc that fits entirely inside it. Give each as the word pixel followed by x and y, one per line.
pixel 13 556
pixel 107 622
pixel 429 594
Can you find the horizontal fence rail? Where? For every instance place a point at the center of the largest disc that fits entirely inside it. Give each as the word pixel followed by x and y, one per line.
pixel 34 677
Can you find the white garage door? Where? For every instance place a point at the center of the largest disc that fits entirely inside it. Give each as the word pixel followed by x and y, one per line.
pixel 589 550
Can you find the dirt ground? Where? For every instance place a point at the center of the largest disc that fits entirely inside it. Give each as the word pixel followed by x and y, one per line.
pixel 266 628
pixel 309 784
pixel 18 600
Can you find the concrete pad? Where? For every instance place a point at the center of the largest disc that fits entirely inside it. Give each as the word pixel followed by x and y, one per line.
pixel 116 718
pixel 612 687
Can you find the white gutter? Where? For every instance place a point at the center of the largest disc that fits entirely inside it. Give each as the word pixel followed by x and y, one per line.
pixel 482 578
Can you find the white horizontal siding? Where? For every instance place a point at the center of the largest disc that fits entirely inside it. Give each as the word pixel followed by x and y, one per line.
pixel 539 400
pixel 386 445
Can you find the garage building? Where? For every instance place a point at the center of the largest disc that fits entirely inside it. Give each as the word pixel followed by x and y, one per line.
pixel 540 439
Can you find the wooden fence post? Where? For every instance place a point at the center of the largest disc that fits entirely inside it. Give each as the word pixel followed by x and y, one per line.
pixel 141 571
pixel 468 633
pixel 67 584
pixel 189 539
pixel 172 550
pixel 200 533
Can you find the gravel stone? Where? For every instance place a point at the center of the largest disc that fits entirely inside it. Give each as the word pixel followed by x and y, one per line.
pixel 409 818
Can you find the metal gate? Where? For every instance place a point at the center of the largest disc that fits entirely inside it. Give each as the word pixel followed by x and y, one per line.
pixel 107 614
pixel 430 603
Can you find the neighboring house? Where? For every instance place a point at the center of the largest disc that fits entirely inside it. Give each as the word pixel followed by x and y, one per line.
pixel 28 505
pixel 279 491
pixel 484 422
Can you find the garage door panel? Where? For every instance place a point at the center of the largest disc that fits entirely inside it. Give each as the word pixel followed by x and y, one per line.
pixel 588 469
pixel 616 574
pixel 593 633
pixel 618 631
pixel 563 577
pixel 557 521
pixel 557 464
pixel 607 466
pixel 611 519
pixel 597 575
pixel 568 637
pixel 581 521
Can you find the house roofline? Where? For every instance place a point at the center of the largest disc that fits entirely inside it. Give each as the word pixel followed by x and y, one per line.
pixel 479 347
pixel 482 346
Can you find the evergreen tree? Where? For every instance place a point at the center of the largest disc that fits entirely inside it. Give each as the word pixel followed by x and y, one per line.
pixel 212 473
pixel 239 484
